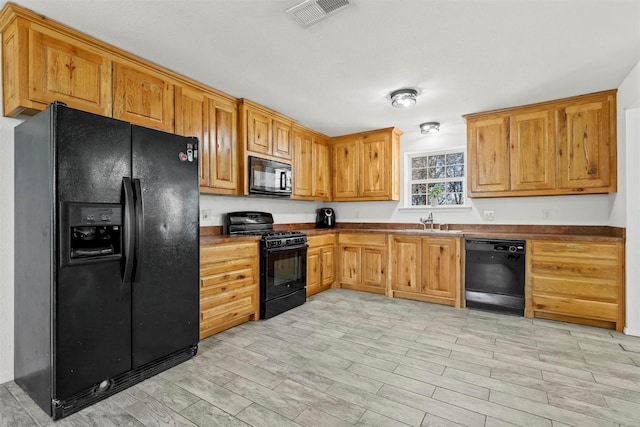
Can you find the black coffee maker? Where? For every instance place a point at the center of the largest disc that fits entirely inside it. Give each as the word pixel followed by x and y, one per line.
pixel 326 218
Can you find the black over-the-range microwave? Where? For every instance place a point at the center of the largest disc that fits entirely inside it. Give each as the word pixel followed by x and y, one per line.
pixel 269 178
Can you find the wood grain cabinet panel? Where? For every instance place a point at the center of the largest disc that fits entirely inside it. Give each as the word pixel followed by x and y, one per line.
pixel 576 281
pixel 213 120
pixel 365 166
pixel 566 146
pixel 532 151
pixel 229 286
pixel 41 66
pixel 363 262
pixel 320 263
pixel 310 165
pixel 426 269
pixel 489 155
pixel 142 97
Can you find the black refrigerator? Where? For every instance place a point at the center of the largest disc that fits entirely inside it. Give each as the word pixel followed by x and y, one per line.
pixel 106 256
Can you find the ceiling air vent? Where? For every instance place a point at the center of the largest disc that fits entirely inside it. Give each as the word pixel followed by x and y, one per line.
pixel 311 11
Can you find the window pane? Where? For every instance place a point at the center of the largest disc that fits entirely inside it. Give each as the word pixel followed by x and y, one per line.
pixel 455 171
pixel 454 187
pixel 436 160
pixel 436 172
pixel 455 158
pixel 418 200
pixel 418 162
pixel 418 188
pixel 419 174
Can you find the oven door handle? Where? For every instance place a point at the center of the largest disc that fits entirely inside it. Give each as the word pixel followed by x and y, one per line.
pixel 286 248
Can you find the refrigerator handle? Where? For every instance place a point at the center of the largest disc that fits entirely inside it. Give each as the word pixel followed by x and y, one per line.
pixel 129 230
pixel 137 188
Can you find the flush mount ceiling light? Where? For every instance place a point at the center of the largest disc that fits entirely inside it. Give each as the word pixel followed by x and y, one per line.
pixel 429 127
pixel 403 98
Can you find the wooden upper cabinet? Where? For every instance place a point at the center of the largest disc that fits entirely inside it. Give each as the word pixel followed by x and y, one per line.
pixel 588 145
pixel 191 114
pixel 489 150
pixel 142 97
pixel 41 66
pixel 365 166
pixel 223 160
pixel 533 151
pixel 259 132
pixel 302 157
pixel 213 120
pixel 265 133
pixel 321 179
pixel 310 165
pixel 346 165
pixel 282 139
pixel 374 161
pixel 566 146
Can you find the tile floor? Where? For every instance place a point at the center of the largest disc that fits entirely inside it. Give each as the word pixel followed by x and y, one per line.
pixel 349 358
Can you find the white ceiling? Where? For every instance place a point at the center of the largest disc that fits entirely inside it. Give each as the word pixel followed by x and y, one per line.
pixel 462 56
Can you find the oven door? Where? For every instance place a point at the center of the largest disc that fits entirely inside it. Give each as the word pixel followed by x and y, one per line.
pixel 284 270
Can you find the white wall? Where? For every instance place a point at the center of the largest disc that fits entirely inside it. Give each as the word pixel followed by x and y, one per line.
pixel 627 210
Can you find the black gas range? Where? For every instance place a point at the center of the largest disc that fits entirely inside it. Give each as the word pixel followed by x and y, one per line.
pixel 283 261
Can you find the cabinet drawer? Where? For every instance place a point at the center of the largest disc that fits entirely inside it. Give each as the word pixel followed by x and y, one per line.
pixel 575 268
pixel 364 239
pixel 226 281
pixel 321 240
pixel 576 307
pixel 592 289
pixel 575 249
pixel 228 252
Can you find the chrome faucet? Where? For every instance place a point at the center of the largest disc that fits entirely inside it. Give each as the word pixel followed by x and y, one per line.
pixel 427 220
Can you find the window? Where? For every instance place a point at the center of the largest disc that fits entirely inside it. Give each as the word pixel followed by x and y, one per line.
pixel 436 175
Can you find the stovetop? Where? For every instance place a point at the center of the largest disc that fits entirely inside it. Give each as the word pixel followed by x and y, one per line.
pixel 261 224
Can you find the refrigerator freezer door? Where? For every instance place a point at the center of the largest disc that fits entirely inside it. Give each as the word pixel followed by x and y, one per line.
pixel 92 340
pixel 166 277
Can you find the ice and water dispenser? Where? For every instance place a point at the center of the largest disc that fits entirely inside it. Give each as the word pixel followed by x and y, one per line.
pixel 90 232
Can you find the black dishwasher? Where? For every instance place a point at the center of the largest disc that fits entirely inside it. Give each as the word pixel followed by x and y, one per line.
pixel 494 275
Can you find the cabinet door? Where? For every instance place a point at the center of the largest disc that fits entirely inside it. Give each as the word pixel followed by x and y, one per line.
pixel 281 139
pixel 585 146
pixel 191 120
pixel 345 168
pixel 405 263
pixel 350 265
pixel 142 97
pixel 259 128
pixel 439 267
pixel 67 72
pixel 314 266
pixel 373 267
pixel 303 155
pixel 533 151
pixel 223 159
pixel 328 266
pixel 374 174
pixel 488 153
pixel 320 181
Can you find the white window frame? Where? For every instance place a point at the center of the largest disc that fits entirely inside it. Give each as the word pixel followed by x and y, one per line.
pixel 408 181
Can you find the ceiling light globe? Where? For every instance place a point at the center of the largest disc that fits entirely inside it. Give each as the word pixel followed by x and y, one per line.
pixel 404 98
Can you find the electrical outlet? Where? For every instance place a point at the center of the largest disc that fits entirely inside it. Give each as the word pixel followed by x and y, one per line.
pixel 489 215
pixel 547 214
pixel 206 214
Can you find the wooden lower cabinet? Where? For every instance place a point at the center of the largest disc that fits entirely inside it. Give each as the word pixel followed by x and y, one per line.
pixel 320 263
pixel 426 269
pixel 576 281
pixel 363 262
pixel 229 286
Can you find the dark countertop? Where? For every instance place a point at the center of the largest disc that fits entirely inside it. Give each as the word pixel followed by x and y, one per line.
pixel 566 233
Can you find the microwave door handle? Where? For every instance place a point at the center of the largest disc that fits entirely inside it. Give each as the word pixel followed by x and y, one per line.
pixel 283 180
